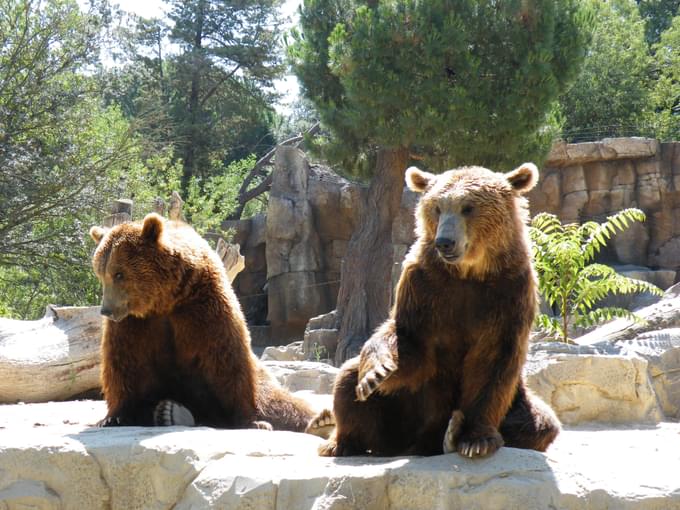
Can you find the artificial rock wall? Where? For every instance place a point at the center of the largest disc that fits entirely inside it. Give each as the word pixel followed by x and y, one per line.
pixel 294 254
pixel 585 181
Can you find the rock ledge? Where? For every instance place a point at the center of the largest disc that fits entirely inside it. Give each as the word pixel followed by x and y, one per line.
pixel 61 464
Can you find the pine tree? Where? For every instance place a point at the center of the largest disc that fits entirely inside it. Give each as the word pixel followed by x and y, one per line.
pixel 449 82
pixel 229 55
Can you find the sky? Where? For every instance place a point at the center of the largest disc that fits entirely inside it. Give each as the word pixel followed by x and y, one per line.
pixel 155 8
pixel 287 86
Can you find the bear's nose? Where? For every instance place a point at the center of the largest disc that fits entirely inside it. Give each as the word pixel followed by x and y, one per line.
pixel 106 312
pixel 444 244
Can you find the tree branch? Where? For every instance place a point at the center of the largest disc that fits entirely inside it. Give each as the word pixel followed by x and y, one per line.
pixel 244 194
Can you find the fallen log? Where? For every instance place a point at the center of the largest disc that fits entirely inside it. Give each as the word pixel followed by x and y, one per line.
pixel 54 358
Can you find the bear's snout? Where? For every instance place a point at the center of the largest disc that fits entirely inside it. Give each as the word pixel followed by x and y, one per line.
pixel 447 249
pixel 444 244
pixel 450 238
pixel 115 315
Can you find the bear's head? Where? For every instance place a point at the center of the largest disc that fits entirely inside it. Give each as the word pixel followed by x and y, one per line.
pixel 473 218
pixel 132 263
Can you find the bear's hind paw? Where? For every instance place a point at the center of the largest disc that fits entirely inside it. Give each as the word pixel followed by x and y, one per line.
pixel 169 413
pixel 322 424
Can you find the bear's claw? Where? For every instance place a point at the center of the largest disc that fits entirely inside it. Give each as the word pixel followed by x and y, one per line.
pixel 372 380
pixel 469 445
pixel 322 424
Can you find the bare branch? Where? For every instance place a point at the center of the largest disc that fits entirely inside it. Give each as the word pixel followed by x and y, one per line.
pixel 244 194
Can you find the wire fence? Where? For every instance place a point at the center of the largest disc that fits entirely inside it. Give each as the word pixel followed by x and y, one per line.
pixel 281 292
pixel 596 133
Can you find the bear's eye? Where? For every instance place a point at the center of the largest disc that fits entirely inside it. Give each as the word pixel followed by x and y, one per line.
pixel 466 210
pixel 437 210
pixel 118 276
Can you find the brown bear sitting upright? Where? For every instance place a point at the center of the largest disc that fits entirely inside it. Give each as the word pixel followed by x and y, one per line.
pixel 443 373
pixel 175 347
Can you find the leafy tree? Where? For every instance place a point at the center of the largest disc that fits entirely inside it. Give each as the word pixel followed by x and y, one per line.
pixel 666 92
pixel 208 205
pixel 568 278
pixel 447 81
pixel 63 156
pixel 57 145
pixel 657 15
pixel 612 94
pixel 228 59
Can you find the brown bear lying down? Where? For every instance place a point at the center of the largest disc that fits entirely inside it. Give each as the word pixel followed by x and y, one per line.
pixel 443 373
pixel 175 347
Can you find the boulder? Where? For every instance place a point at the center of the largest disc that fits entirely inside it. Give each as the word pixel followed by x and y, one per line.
pixel 661 350
pixel 572 205
pixel 621 371
pixel 290 352
pixel 304 375
pixel 320 344
pixel 585 386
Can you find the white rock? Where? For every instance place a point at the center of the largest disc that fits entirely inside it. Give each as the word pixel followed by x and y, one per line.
pixel 304 375
pixel 595 388
pixel 290 352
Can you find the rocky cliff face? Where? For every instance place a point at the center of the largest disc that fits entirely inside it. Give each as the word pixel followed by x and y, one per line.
pixel 293 257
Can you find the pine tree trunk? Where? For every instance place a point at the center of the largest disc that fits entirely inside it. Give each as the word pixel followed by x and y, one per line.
pixel 365 281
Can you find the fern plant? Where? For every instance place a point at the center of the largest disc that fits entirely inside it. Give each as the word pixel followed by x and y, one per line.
pixel 569 279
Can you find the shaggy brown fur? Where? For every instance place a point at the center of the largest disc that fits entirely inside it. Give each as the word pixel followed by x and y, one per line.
pixel 452 351
pixel 174 331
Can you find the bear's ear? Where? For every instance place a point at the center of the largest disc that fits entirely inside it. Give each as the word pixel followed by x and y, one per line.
pixel 523 178
pixel 417 180
pixel 96 233
pixel 152 227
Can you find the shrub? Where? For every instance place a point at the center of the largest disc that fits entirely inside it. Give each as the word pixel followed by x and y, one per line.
pixel 567 277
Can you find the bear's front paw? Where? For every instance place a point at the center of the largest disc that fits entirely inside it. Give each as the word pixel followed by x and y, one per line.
pixel 371 379
pixel 479 443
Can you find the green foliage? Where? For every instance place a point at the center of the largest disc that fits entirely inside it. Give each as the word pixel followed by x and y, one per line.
pixel 657 15
pixel 58 146
pixel 666 92
pixel 612 94
pixel 209 203
pixel 228 59
pixel 458 81
pixel 567 277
